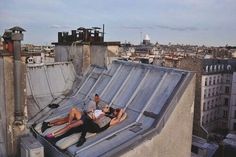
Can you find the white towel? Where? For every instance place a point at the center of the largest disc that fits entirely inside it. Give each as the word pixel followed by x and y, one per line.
pixel 97 113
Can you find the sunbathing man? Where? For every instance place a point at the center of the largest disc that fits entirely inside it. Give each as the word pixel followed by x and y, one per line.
pixel 95 104
pixel 112 115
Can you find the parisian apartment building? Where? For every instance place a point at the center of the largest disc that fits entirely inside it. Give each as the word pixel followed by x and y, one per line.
pixel 215 94
pixel 218 95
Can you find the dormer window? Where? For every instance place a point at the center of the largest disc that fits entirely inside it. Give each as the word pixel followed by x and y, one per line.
pixel 215 67
pixel 207 68
pixel 211 68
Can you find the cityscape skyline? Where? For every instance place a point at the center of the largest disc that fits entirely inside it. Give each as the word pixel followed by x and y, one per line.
pixel 210 23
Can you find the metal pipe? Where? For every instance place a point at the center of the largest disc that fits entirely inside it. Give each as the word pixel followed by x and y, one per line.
pixel 103 31
pixel 17 81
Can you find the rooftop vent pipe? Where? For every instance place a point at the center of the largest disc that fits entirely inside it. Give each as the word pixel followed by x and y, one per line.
pixel 16 37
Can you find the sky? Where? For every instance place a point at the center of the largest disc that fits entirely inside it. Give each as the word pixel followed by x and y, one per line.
pixel 197 22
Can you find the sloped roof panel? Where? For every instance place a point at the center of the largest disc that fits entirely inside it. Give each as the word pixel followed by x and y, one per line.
pixel 38 81
pixel 47 83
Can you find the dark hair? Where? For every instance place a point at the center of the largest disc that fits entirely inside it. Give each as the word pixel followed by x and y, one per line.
pixel 96 95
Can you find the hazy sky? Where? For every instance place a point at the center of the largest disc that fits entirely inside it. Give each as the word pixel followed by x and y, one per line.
pixel 209 22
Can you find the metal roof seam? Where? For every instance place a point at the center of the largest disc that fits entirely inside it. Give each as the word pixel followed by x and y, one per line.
pixel 137 89
pixel 100 76
pixel 116 73
pixel 47 79
pixel 123 84
pixel 83 83
pixel 31 88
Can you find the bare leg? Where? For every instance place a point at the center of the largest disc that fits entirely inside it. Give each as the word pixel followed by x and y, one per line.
pixel 59 121
pixel 68 127
pixel 74 113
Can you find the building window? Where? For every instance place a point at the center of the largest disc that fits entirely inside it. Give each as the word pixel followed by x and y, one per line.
pixel 227 80
pixel 208 104
pixel 224 125
pixel 234 126
pixel 214 81
pixel 203 120
pixel 207 68
pixel 209 92
pixel 211 68
pixel 226 101
pixel 226 90
pixel 204 106
pixel 206 81
pixel 194 149
pixel 210 81
pixel 218 68
pixel 225 114
pixel 234 114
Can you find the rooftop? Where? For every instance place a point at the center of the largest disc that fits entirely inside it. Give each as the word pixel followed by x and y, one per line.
pixel 147 93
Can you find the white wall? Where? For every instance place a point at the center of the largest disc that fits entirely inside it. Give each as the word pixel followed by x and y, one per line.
pixel 217 108
pixel 210 100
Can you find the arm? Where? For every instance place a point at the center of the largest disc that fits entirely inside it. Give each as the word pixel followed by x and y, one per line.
pixel 120 113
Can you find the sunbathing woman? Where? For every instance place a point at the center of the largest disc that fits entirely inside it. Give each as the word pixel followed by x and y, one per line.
pixel 75 118
pixel 72 119
pixel 73 115
pixel 114 115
